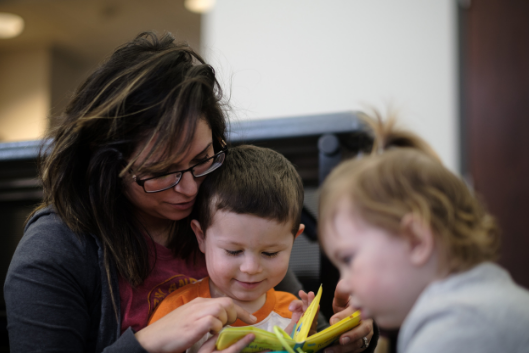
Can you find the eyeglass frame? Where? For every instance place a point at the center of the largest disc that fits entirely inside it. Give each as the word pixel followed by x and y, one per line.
pixel 141 182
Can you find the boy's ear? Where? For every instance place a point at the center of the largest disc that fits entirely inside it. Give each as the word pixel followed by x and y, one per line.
pixel 420 237
pixel 300 230
pixel 201 238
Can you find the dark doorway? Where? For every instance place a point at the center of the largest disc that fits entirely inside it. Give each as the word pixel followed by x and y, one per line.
pixel 495 118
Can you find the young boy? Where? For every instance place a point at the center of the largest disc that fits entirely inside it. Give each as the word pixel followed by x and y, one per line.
pixel 246 218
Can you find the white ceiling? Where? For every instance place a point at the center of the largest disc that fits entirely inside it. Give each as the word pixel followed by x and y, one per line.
pixel 91 29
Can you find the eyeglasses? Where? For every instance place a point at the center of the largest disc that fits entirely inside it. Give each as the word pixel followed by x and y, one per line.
pixel 166 181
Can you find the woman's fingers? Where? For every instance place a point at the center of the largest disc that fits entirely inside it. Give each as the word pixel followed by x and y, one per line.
pixel 341 298
pixel 342 315
pixel 183 327
pixel 225 310
pixel 353 341
pixel 209 345
pixel 244 316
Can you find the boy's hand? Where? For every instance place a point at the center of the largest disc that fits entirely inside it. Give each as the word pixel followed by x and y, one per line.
pixel 298 307
pixel 209 345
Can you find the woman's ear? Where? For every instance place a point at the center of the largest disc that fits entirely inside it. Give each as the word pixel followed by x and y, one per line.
pixel 300 230
pixel 420 237
pixel 201 237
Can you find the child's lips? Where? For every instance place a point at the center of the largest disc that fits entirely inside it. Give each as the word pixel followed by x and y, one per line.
pixel 249 285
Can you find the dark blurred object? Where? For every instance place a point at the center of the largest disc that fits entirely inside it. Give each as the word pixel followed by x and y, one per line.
pixel 494 71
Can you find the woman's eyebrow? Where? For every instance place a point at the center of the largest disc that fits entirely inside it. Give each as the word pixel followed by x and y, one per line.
pixel 148 165
pixel 203 151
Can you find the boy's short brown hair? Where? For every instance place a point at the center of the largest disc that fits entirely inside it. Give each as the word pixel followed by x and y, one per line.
pixel 253 180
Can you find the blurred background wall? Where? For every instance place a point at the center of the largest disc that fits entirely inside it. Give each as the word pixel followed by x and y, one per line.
pixel 299 57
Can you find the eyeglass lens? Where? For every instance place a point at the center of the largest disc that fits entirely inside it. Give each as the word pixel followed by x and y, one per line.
pixel 167 181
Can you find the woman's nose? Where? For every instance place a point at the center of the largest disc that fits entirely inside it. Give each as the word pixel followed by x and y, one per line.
pixel 251 265
pixel 188 185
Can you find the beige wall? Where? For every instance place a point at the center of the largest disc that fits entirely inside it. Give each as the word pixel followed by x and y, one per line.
pixel 24 94
pixel 281 58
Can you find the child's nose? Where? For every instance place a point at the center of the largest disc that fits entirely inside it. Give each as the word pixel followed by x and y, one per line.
pixel 251 265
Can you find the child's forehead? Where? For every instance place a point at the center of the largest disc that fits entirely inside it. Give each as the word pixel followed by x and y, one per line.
pixel 249 224
pixel 224 215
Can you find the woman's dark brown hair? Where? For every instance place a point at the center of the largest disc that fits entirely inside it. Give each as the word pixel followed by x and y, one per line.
pixel 149 90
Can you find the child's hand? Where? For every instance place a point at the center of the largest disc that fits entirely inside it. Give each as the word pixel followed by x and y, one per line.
pixel 298 307
pixel 209 345
pixel 351 341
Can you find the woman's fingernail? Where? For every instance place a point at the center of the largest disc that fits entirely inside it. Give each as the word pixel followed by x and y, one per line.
pixel 346 340
pixel 253 318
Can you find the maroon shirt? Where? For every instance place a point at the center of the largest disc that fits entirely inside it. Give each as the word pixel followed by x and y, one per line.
pixel 169 274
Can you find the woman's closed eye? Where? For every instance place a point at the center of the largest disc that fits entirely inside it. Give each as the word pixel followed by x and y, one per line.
pixel 202 159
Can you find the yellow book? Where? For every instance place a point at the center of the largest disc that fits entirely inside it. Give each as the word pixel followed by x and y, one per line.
pixel 265 340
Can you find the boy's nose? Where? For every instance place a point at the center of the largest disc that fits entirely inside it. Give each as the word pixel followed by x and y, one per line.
pixel 250 265
pixel 188 185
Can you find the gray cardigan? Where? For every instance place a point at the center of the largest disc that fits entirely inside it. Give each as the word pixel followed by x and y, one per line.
pixel 57 293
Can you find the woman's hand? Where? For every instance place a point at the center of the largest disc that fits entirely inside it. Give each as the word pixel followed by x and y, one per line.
pixel 353 340
pixel 298 307
pixel 184 326
pixel 209 345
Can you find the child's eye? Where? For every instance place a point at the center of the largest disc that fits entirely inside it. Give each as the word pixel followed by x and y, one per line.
pixel 234 252
pixel 270 254
pixel 347 259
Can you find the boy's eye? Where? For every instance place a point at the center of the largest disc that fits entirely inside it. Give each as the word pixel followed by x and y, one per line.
pixel 233 252
pixel 270 254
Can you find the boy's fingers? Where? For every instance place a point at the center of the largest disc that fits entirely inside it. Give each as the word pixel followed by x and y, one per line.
pixel 296 305
pixel 308 300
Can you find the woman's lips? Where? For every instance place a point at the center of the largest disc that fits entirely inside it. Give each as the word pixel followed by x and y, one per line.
pixel 182 205
pixel 249 285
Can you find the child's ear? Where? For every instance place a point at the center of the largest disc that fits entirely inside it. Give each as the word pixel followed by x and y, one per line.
pixel 420 237
pixel 300 230
pixel 201 237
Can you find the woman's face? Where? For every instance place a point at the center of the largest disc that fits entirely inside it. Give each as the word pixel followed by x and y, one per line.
pixel 174 203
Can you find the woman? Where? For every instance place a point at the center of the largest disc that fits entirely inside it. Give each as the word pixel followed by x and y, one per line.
pixel 110 239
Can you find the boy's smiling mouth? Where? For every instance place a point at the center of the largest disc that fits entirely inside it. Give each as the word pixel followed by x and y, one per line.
pixel 249 285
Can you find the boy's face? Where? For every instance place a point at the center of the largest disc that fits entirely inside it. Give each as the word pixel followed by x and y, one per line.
pixel 374 265
pixel 245 255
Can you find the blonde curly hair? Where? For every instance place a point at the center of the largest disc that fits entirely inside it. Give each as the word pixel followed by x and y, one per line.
pixel 403 175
